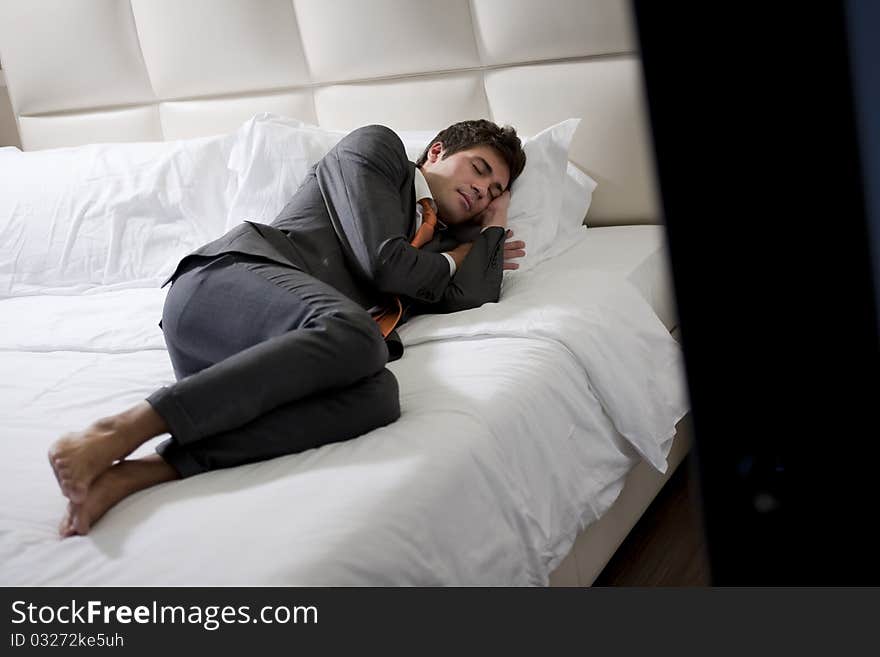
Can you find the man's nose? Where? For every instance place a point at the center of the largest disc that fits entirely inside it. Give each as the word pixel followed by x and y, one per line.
pixel 479 191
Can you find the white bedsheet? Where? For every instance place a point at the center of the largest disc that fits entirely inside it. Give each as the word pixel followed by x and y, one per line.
pixel 511 441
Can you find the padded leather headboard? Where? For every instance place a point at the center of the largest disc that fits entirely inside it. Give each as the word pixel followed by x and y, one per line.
pixel 142 70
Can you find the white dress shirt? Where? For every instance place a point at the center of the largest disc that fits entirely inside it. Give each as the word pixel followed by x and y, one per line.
pixel 423 191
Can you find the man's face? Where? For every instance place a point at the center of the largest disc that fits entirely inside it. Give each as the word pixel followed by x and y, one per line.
pixel 464 183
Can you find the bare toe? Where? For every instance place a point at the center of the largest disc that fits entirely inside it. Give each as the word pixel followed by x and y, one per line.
pixel 81 522
pixel 65 527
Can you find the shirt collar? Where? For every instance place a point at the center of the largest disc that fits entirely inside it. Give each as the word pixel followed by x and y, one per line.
pixel 423 191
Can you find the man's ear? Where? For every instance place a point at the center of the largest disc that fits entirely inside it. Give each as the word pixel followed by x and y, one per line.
pixel 435 152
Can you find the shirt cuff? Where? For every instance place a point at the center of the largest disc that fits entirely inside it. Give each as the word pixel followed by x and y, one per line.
pixel 451 264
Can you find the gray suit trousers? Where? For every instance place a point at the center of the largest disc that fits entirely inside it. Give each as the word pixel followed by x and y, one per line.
pixel 269 361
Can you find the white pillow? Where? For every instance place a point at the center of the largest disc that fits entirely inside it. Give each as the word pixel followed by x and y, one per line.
pixel 270 159
pixel 122 215
pixel 576 199
pixel 273 154
pixel 118 215
pixel 537 195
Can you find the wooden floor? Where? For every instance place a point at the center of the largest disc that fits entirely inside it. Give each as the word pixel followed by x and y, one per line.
pixel 666 547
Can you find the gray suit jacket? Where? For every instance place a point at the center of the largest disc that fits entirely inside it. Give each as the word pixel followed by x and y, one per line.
pixel 350 225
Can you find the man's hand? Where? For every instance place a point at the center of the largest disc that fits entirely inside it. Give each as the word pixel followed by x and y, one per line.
pixel 496 213
pixel 460 252
pixel 512 250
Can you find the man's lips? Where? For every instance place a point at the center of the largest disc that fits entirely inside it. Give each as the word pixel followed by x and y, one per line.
pixel 467 200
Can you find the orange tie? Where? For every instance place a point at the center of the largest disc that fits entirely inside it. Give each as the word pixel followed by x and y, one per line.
pixel 425 233
pixel 388 317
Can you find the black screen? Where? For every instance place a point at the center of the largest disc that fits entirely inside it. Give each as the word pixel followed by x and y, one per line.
pixel 765 198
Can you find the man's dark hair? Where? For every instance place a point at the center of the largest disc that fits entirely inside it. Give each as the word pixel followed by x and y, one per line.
pixel 467 134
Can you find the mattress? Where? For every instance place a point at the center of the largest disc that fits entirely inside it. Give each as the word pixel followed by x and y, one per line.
pixel 636 252
pixel 513 438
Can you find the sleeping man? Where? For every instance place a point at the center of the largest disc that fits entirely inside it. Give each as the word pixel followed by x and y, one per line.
pixel 279 334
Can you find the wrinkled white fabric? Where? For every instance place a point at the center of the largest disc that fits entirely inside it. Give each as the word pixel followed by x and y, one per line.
pixel 634 367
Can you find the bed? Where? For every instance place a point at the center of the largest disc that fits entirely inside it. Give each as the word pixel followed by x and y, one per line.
pixel 534 432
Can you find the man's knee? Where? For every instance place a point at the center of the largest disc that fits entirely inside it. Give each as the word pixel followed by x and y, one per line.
pixel 362 342
pixel 386 397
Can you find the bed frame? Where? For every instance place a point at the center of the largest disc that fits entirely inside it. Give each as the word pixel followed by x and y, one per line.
pixel 143 70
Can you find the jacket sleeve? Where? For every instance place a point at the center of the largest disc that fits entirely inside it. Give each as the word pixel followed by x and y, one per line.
pixel 363 180
pixel 478 280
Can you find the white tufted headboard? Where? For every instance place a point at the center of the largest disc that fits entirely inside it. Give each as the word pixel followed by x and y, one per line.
pixel 81 71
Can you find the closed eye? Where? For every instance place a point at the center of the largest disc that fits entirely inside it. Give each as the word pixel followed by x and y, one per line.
pixel 495 187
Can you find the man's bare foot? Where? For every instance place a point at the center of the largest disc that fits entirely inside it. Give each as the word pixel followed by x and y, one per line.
pixel 112 486
pixel 78 458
